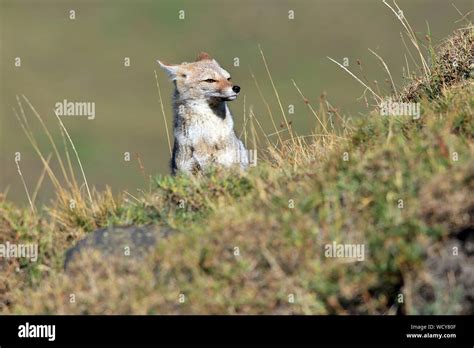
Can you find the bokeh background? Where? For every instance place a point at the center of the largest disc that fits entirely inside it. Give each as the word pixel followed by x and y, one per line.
pixel 83 60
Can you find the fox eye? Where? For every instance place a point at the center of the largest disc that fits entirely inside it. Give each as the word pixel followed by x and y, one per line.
pixel 210 80
pixel 228 79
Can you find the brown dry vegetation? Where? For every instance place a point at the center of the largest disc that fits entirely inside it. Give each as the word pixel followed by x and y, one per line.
pixel 452 64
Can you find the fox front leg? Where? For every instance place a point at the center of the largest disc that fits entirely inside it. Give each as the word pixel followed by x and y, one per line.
pixel 184 161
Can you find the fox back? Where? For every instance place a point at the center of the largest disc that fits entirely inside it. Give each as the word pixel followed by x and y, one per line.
pixel 203 126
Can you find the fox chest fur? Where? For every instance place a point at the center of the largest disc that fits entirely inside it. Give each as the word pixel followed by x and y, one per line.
pixel 203 127
pixel 204 136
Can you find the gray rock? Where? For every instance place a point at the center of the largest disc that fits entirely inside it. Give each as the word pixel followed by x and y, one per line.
pixel 135 241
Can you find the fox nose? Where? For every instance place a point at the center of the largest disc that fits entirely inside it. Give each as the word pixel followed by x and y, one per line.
pixel 236 89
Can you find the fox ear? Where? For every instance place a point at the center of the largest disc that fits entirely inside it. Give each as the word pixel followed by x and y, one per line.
pixel 203 56
pixel 170 70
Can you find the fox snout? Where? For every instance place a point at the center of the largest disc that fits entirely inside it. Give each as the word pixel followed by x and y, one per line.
pixel 236 89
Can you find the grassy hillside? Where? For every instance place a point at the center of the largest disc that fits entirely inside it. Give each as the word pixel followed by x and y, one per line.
pixel 128 113
pixel 255 242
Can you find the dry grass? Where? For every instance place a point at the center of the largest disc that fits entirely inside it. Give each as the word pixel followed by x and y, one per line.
pixel 452 65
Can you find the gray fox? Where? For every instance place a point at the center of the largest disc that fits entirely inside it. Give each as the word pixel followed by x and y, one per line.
pixel 203 127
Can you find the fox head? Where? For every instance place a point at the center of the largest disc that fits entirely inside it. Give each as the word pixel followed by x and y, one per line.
pixel 202 79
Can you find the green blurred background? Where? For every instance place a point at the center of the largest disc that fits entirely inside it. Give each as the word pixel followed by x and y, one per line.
pixel 83 60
